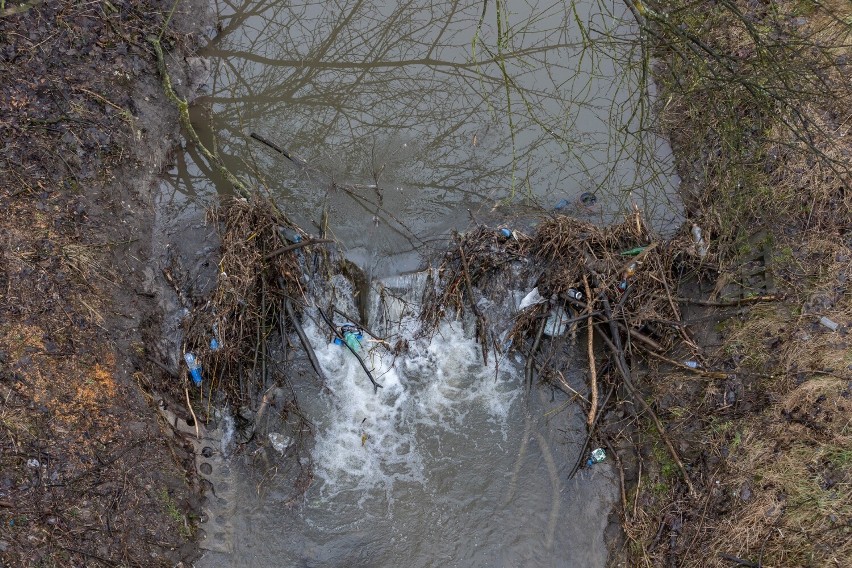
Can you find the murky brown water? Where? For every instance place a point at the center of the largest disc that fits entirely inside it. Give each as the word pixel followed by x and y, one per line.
pixel 405 121
pixel 405 126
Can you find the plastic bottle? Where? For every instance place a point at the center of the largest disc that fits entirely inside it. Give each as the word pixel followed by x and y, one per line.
pixel 700 244
pixel 194 368
pixel 352 337
pixel 691 364
pixel 352 341
pixel 598 455
pixel 214 340
pixel 290 234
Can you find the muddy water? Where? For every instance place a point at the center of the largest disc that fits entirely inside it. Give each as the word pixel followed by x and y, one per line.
pixel 403 121
pixel 450 463
pixel 406 120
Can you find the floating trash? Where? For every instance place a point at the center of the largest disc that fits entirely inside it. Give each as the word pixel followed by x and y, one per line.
pixel 194 368
pixel 588 198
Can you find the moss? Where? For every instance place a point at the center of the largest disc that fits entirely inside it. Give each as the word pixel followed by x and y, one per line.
pixel 180 520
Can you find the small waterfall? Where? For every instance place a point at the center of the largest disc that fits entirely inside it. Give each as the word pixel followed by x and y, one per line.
pixel 370 441
pixel 451 462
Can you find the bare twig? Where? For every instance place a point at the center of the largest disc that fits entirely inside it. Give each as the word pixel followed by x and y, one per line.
pixel 481 322
pixel 593 375
pixel 624 370
pixel 590 434
pixel 376 386
pixel 738 561
pixel 294 246
pixel 729 303
pixel 528 368
pixel 291 314
pixel 192 412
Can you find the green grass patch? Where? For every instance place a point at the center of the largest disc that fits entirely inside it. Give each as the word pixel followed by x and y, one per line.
pixel 180 520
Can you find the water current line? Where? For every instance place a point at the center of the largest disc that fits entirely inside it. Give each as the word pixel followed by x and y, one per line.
pixel 554 482
pixel 519 460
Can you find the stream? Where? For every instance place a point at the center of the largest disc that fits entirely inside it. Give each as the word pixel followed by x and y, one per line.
pixel 404 122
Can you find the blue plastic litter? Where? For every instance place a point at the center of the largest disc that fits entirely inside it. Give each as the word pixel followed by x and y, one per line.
pixel 597 456
pixel 352 336
pixel 194 368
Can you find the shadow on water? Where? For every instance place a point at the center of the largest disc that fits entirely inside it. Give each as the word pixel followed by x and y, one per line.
pixel 414 117
pixel 408 120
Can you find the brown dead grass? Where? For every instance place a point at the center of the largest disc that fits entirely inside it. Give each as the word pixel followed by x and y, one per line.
pixel 791 481
pixel 79 457
pixel 775 469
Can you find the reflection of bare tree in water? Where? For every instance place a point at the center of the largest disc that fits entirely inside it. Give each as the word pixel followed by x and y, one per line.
pixel 457 105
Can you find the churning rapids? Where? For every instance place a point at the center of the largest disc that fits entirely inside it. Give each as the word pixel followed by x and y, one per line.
pixel 451 463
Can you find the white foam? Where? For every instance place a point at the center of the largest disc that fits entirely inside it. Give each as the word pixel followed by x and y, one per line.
pixel 368 441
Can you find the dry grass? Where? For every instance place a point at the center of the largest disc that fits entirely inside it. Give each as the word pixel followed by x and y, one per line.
pixel 759 119
pixel 790 480
pixel 767 103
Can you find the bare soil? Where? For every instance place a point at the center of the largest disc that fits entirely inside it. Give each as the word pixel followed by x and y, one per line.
pixel 87 476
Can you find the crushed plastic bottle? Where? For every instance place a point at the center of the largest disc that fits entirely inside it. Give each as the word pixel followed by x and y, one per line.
pixel 534 297
pixel 214 339
pixel 700 243
pixel 352 337
pixel 194 368
pixel 597 456
pixel 290 234
pixel 629 273
pixel 352 341
pixel 632 252
pixel 692 364
pixel 557 322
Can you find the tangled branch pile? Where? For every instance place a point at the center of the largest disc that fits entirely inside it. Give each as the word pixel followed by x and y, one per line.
pixel 619 280
pixel 572 259
pixel 259 273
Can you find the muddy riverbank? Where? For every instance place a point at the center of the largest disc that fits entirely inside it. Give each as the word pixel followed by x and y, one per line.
pixel 87 475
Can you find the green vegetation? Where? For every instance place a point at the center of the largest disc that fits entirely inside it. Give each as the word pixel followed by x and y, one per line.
pixel 181 521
